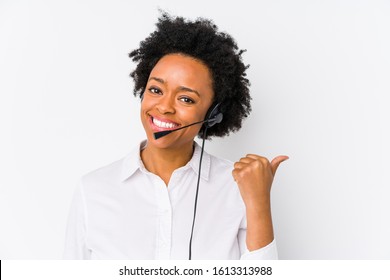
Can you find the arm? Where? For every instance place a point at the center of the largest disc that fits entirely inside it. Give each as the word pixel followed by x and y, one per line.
pixel 75 244
pixel 254 176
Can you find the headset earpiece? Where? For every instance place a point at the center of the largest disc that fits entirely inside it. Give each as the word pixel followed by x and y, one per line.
pixel 213 116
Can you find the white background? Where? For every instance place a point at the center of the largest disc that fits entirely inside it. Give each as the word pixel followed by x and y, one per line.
pixel 320 84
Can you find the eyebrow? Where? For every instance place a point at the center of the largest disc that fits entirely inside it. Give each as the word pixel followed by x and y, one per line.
pixel 182 88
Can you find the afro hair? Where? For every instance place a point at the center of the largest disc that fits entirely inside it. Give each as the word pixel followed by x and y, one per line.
pixel 201 40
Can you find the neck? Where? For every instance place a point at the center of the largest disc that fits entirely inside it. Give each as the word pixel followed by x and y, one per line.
pixel 163 162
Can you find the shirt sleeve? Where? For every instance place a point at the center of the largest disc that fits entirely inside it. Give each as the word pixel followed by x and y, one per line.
pixel 75 239
pixel 268 252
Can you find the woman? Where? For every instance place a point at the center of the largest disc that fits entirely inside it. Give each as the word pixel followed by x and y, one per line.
pixel 168 199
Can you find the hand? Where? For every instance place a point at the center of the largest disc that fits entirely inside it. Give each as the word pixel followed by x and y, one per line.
pixel 254 175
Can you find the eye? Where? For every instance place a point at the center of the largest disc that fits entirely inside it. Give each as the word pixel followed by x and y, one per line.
pixel 154 90
pixel 186 99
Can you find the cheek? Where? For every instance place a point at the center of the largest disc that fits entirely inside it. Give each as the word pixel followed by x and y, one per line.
pixel 199 112
pixel 143 112
pixel 190 115
pixel 146 105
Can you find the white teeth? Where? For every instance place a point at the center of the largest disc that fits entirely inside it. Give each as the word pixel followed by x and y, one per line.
pixel 163 124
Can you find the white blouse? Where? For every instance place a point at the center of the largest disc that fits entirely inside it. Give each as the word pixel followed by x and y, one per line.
pixel 123 211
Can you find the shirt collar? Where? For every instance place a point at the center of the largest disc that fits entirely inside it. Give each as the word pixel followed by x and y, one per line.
pixel 132 162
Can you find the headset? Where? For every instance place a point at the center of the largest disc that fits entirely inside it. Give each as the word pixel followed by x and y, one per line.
pixel 213 116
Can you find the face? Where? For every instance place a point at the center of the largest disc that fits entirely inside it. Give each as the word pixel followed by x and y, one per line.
pixel 179 92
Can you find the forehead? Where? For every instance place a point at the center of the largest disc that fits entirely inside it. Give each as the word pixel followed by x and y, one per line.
pixel 182 67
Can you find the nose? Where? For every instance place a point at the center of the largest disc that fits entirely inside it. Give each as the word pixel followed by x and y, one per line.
pixel 166 104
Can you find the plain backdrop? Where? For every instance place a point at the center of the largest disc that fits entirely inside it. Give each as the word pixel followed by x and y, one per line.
pixel 319 74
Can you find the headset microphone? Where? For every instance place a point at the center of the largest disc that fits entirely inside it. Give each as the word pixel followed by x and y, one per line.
pixel 209 123
pixel 160 134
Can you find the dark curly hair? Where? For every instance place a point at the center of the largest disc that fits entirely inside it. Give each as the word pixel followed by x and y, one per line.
pixel 202 40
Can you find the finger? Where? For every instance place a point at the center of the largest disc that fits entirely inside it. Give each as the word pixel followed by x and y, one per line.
pixel 256 157
pixel 276 161
pixel 246 159
pixel 240 165
pixel 263 160
pixel 235 174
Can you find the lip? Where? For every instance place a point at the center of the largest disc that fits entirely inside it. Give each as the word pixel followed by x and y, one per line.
pixel 157 128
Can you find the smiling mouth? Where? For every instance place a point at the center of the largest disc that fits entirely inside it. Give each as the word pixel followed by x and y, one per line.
pixel 164 124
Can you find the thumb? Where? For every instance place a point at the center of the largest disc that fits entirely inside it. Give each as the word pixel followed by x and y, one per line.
pixel 276 161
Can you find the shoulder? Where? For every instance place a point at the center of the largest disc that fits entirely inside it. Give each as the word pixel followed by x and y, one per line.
pixel 222 183
pixel 114 173
pixel 103 177
pixel 221 164
pixel 221 171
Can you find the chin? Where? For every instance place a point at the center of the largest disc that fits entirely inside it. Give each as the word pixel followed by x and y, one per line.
pixel 170 141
